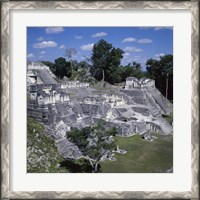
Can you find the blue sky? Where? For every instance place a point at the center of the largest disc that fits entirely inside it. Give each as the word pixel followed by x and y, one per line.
pixel 138 43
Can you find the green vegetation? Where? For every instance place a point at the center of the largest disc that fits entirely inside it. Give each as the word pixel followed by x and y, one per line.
pixel 93 142
pixel 132 69
pixel 105 66
pixel 42 155
pixel 104 70
pixel 162 72
pixel 76 166
pixel 142 156
pixel 106 60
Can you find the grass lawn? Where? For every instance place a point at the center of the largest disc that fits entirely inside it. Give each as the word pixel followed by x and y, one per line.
pixel 142 156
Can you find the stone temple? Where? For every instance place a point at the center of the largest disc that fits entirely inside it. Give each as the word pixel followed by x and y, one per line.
pixel 135 109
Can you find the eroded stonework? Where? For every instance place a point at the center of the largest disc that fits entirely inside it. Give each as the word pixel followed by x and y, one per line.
pixel 136 109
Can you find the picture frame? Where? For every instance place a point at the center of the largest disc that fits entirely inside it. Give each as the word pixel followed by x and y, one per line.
pixel 6 109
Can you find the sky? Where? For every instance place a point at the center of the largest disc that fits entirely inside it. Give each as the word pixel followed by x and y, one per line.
pixel 138 43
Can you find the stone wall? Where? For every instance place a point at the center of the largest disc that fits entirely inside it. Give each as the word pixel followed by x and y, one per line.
pixel 126 129
pixel 141 110
pixel 73 84
pixel 115 100
pixel 40 114
pixel 47 94
pixel 37 65
pixel 132 111
pixel 132 82
pixel 150 97
pixel 132 127
pixel 90 109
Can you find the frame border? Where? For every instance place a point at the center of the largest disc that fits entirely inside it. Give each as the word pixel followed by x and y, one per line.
pixel 193 6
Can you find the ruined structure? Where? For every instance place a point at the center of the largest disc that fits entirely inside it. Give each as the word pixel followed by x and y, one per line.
pixel 137 109
pixel 38 73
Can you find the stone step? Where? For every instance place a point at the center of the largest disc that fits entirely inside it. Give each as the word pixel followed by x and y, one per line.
pixel 46 77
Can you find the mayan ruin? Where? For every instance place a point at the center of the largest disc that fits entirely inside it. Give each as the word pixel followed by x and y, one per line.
pixel 135 109
pixel 101 102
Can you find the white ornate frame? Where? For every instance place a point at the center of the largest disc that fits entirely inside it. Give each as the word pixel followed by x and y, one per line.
pixel 6 6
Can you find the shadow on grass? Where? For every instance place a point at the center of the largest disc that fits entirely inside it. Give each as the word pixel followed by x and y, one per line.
pixel 78 166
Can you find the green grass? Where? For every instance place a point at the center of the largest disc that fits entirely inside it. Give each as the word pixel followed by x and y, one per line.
pixel 72 94
pixel 142 156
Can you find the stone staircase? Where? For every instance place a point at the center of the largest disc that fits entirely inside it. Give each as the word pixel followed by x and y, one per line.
pixel 165 105
pixel 152 105
pixel 46 77
pixel 154 111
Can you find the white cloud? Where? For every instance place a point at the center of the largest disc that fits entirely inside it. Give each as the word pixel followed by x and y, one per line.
pixel 40 39
pixel 157 56
pixel 134 58
pixel 62 46
pixel 100 34
pixel 130 58
pixel 129 39
pixel 42 52
pixel 145 41
pixel 163 28
pixel 78 37
pixel 132 49
pixel 44 44
pixel 51 30
pixel 41 56
pixel 30 55
pixel 82 57
pixel 87 47
pixel 126 54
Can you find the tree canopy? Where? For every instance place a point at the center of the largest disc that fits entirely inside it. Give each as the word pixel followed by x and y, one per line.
pixel 60 67
pixel 93 142
pixel 106 60
pixel 132 69
pixel 162 72
pixel 105 65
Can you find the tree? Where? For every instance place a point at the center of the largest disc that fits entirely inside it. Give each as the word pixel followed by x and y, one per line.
pixel 162 72
pixel 153 68
pixel 83 72
pixel 51 66
pixel 62 68
pixel 47 63
pixel 166 63
pixel 137 70
pixel 106 60
pixel 70 53
pixel 133 69
pixel 94 142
